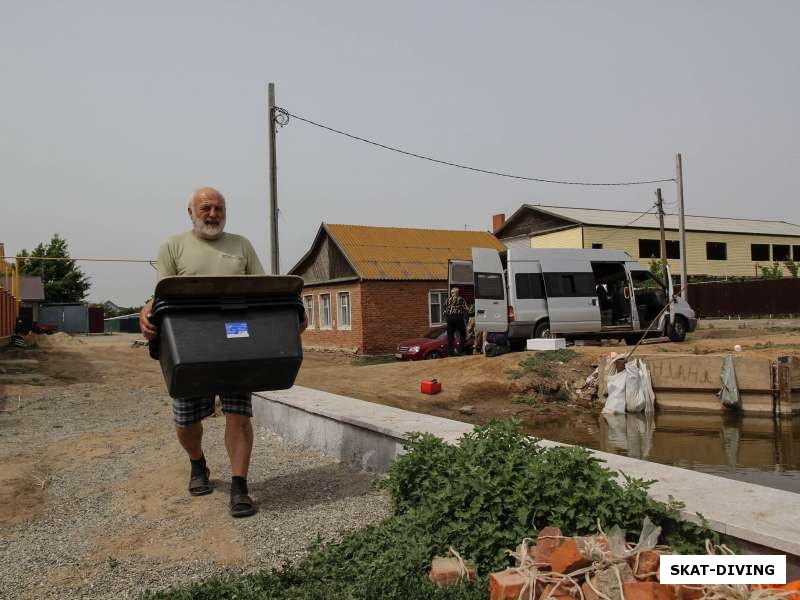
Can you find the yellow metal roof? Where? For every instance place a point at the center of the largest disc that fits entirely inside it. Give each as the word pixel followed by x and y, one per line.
pixel 400 253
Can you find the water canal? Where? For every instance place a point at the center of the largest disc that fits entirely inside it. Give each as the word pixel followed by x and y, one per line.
pixel 758 450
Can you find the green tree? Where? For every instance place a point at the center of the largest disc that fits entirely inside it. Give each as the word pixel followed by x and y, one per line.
pixel 792 267
pixel 772 272
pixel 63 279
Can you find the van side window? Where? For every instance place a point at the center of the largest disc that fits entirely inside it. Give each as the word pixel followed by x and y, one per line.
pixel 567 285
pixel 489 286
pixel 529 286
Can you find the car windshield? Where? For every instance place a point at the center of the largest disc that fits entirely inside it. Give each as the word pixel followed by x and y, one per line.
pixel 435 333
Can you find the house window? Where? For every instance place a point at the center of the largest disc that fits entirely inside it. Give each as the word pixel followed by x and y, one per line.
pixel 343 302
pixel 759 252
pixel 436 302
pixel 308 302
pixel 325 311
pixel 649 249
pixel 716 251
pixel 780 251
pixel 673 249
pixel 596 246
pixel 796 253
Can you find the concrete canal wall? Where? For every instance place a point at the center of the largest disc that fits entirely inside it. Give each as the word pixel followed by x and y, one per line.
pixel 760 519
pixel 690 383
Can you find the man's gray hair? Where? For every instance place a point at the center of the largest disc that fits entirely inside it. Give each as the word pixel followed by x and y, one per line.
pixel 194 193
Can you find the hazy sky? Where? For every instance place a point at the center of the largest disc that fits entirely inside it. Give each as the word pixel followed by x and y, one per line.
pixel 111 113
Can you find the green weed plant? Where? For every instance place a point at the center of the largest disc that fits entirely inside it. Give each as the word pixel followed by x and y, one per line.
pixel 482 497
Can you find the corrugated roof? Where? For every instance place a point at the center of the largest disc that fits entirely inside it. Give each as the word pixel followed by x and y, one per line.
pixel 623 218
pixel 31 288
pixel 401 253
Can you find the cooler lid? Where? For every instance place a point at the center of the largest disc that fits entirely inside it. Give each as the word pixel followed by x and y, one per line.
pixel 238 286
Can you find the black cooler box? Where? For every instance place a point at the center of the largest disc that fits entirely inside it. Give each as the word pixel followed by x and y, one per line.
pixel 231 334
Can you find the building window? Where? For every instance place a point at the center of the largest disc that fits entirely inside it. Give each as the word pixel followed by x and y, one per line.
pixel 596 246
pixel 673 249
pixel 716 251
pixel 308 302
pixel 436 302
pixel 796 253
pixel 780 252
pixel 759 252
pixel 325 311
pixel 649 249
pixel 343 302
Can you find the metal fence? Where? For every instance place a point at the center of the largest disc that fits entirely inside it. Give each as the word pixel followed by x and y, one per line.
pixel 70 317
pixel 8 313
pixel 761 297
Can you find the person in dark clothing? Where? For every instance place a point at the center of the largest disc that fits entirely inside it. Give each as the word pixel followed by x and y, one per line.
pixel 455 311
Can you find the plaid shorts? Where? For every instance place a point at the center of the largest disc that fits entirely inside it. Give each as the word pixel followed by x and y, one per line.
pixel 187 411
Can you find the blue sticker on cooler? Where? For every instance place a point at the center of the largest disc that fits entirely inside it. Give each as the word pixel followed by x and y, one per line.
pixel 236 330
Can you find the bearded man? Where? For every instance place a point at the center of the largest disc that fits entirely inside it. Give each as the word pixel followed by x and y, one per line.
pixel 208 250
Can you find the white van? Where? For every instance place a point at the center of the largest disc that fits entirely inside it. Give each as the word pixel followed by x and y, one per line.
pixel 529 293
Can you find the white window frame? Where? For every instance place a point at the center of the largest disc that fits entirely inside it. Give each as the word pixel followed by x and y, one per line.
pixel 442 301
pixel 312 320
pixel 322 324
pixel 339 321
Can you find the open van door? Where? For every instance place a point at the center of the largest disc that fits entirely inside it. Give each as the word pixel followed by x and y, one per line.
pixel 670 292
pixel 572 301
pixel 459 274
pixel 491 302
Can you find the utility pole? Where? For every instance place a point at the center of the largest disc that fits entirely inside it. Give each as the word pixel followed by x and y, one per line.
pixel 660 205
pixel 273 185
pixel 681 225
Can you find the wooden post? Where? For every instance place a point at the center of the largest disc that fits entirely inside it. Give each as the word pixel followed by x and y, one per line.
pixel 784 387
pixel 273 186
pixel 681 225
pixel 660 205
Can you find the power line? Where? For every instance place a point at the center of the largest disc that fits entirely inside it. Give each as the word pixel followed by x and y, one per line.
pixel 282 118
pixel 126 260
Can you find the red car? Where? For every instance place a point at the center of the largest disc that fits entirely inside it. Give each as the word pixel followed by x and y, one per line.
pixel 48 328
pixel 432 345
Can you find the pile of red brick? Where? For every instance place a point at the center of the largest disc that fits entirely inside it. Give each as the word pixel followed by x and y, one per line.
pixel 570 568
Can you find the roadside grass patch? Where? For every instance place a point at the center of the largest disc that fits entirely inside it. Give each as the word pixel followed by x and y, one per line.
pixel 547 358
pixel 526 399
pixel 481 497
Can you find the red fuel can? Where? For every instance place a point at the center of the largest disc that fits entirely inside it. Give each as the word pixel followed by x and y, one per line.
pixel 430 386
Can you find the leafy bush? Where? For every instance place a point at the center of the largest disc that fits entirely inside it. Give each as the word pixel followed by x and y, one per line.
pixel 481 497
pixel 774 271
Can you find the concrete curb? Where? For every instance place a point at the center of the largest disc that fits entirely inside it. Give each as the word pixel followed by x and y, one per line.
pixel 369 435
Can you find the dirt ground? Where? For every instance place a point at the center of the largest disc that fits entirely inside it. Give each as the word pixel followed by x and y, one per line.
pixel 92 481
pixel 93 499
pixel 476 389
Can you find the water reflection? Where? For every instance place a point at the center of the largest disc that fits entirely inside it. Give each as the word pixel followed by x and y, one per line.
pixel 754 449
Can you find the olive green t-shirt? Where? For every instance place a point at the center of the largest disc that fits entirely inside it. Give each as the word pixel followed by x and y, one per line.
pixel 187 254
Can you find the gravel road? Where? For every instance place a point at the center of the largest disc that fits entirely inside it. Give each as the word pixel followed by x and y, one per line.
pixel 93 499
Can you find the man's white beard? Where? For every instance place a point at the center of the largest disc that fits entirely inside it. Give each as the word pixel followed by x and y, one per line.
pixel 208 231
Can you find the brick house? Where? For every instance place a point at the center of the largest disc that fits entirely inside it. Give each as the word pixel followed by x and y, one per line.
pixel 367 288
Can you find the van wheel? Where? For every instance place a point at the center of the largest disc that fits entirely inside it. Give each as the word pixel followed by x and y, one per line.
pixel 677 331
pixel 432 355
pixel 542 330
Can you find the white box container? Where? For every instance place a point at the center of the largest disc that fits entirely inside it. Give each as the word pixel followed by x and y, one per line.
pixel 546 344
